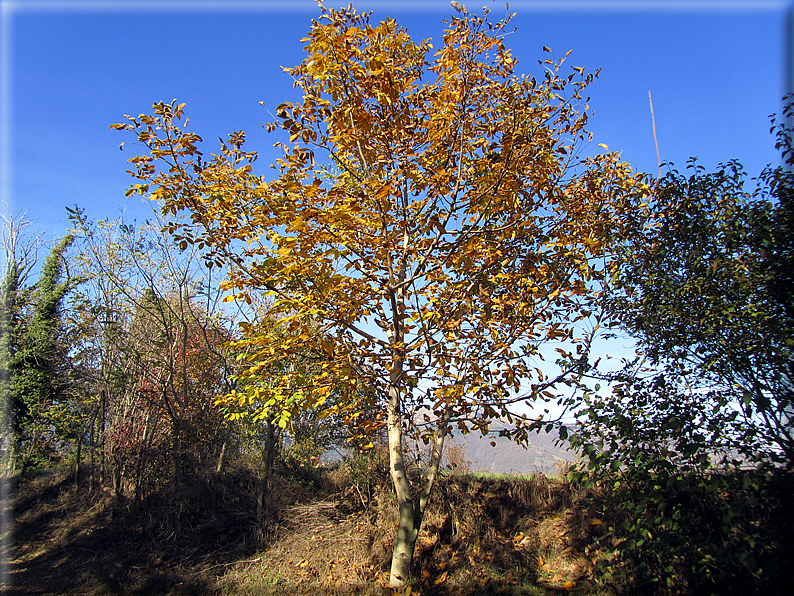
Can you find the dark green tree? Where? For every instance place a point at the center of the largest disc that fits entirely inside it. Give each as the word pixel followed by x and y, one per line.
pixel 10 327
pixel 20 251
pixel 706 288
pixel 39 372
pixel 704 285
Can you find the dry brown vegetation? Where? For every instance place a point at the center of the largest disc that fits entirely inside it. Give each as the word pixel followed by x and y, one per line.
pixel 69 541
pixel 331 531
pixel 508 535
pixel 482 535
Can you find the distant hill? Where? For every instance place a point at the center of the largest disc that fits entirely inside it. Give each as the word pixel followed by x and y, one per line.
pixel 540 455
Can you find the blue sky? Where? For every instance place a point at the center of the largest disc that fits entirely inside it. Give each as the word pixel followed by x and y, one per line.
pixel 72 68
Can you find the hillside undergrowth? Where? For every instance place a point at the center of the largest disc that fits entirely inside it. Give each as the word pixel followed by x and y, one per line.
pixel 331 531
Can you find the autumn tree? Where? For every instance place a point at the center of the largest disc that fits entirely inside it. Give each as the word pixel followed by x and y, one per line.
pixel 432 230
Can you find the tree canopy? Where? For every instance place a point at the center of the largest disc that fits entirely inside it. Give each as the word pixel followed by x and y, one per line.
pixel 705 287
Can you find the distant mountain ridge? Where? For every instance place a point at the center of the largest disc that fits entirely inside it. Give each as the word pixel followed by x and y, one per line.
pixel 540 455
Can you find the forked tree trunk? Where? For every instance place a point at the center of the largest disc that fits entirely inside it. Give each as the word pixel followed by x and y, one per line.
pixel 410 512
pixel 407 530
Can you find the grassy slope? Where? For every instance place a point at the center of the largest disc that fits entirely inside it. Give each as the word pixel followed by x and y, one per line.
pixel 330 532
pixel 480 535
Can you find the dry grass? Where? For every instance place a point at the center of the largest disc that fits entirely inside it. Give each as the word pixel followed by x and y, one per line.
pixel 317 551
pixel 509 535
pixel 481 535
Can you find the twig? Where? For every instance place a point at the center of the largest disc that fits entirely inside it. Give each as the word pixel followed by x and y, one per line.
pixel 313 506
pixel 257 560
pixel 360 496
pixel 348 539
pixel 656 143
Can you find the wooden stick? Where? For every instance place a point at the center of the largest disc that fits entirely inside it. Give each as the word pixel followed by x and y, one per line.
pixel 655 142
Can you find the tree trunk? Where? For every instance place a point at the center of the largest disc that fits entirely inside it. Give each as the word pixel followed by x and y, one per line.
pixel 149 430
pixel 175 450
pixel 407 527
pixel 263 490
pixel 102 444
pixel 91 454
pixel 407 532
pixel 118 489
pixel 11 462
pixel 222 455
pixel 411 513
pixel 78 456
pixel 176 440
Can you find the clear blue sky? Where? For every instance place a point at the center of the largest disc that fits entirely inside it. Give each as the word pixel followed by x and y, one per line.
pixel 72 68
